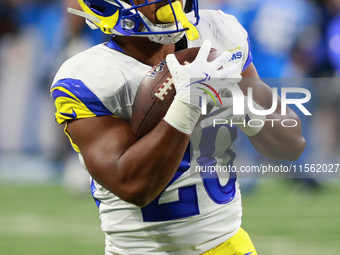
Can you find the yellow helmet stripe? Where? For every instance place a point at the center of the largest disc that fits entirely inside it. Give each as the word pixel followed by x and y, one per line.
pixel 106 23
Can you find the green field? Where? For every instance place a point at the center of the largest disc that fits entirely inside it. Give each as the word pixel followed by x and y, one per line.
pixel 283 220
pixel 45 220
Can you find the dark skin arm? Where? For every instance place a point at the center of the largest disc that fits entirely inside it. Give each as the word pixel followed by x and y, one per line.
pixel 137 171
pixel 134 170
pixel 278 142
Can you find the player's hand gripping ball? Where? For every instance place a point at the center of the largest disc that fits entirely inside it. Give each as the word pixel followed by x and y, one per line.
pixel 156 92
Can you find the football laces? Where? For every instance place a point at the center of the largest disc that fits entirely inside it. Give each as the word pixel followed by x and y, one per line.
pixel 167 85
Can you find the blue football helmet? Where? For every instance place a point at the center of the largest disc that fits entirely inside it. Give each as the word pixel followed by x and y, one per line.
pixel 117 17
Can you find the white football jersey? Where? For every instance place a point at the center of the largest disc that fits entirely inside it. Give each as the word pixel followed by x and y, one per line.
pixel 195 212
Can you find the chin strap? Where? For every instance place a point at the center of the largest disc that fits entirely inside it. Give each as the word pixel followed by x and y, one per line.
pixel 166 14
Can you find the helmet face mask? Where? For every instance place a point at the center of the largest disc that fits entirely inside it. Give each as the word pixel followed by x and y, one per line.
pixel 117 17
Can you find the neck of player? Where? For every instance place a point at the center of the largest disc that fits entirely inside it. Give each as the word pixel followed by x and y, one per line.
pixel 141 48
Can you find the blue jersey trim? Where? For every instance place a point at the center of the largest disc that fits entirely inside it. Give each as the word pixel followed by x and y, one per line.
pixel 113 45
pixel 250 57
pixel 82 93
pixel 93 190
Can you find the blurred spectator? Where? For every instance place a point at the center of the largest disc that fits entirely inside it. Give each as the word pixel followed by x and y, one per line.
pixel 333 39
pixel 333 35
pixel 8 24
pixel 329 90
pixel 275 28
pixel 36 37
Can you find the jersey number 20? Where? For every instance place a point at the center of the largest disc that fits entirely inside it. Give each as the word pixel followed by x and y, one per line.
pixel 187 203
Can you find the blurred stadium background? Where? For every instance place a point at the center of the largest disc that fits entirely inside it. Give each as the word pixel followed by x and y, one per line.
pixel 46 206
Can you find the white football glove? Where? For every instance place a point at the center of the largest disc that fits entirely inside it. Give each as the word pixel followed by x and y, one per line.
pixel 185 109
pixel 200 70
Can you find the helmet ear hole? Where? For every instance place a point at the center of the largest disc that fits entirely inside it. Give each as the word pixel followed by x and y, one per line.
pixel 97 9
pixel 188 6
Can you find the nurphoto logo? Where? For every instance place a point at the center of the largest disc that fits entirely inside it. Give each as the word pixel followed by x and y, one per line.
pixel 239 104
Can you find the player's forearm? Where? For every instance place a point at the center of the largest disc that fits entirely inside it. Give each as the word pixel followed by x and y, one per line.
pixel 145 169
pixel 134 170
pixel 279 142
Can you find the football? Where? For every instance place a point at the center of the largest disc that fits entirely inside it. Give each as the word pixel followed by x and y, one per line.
pixel 156 92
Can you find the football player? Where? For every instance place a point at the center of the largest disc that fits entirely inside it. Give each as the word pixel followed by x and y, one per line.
pixel 148 201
